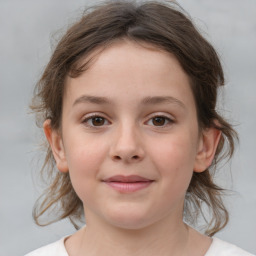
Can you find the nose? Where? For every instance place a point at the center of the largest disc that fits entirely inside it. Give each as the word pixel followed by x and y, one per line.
pixel 127 145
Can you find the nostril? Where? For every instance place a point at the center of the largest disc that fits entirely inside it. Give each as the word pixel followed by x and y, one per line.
pixel 135 157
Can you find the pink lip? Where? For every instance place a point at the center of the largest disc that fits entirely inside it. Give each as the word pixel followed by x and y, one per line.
pixel 128 184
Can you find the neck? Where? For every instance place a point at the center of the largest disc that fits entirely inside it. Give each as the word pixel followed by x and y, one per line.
pixel 161 238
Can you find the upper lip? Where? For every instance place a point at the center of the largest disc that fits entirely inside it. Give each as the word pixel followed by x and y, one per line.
pixel 123 178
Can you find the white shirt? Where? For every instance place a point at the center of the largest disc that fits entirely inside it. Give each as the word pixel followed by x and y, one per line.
pixel 217 248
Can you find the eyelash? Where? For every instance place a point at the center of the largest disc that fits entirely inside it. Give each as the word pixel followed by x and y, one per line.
pixel 91 117
pixel 167 121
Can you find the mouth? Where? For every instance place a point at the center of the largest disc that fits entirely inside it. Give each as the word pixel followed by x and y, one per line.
pixel 128 184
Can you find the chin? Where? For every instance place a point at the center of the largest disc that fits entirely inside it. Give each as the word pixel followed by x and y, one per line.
pixel 129 220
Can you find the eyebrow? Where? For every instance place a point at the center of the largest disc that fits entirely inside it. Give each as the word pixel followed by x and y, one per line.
pixel 91 99
pixel 151 100
pixel 162 99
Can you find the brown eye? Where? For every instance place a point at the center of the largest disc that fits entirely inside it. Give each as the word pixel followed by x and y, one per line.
pixel 159 121
pixel 98 121
pixel 95 121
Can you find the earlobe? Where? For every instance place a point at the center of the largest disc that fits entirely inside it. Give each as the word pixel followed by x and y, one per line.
pixel 206 150
pixel 55 140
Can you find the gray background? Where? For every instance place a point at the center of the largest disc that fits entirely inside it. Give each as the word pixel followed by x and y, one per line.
pixel 26 29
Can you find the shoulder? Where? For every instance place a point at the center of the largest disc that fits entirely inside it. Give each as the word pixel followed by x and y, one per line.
pixel 222 248
pixel 53 249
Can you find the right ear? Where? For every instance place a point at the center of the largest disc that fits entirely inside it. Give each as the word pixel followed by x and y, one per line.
pixel 55 140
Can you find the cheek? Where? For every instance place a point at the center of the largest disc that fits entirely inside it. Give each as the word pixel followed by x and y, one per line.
pixel 84 155
pixel 84 165
pixel 174 160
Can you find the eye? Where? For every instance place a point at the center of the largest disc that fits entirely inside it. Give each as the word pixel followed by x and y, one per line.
pixel 95 121
pixel 160 121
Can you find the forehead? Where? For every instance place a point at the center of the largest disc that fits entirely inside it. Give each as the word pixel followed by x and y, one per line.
pixel 130 67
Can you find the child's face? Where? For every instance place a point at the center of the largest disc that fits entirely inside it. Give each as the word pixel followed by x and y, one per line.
pixel 131 113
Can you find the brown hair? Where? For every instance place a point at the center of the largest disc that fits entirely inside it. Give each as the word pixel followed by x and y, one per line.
pixel 168 28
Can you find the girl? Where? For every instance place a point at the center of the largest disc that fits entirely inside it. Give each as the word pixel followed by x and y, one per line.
pixel 128 103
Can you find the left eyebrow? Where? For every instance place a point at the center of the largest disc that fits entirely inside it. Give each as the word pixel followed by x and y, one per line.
pixel 162 99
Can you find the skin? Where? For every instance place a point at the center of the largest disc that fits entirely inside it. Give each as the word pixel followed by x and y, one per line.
pixel 126 139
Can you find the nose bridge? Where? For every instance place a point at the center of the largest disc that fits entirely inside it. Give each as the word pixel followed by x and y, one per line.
pixel 127 145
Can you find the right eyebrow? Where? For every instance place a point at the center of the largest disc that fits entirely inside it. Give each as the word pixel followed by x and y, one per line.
pixel 91 99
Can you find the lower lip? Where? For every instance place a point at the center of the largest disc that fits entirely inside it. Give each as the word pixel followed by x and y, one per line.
pixel 129 187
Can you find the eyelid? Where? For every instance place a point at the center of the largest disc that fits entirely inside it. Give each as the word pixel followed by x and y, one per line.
pixel 168 117
pixel 92 115
pixel 161 114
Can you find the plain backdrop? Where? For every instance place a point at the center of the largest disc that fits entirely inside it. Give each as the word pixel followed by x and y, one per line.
pixel 27 31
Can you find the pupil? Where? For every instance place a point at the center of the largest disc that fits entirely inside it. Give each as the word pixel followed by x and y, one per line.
pixel 97 121
pixel 158 121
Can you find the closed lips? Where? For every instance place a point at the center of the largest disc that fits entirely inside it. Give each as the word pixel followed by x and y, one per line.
pixel 127 179
pixel 128 184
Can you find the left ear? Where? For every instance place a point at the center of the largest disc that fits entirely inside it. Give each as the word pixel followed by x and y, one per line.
pixel 206 149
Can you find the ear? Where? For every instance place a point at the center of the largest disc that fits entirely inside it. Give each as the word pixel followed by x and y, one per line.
pixel 55 140
pixel 206 149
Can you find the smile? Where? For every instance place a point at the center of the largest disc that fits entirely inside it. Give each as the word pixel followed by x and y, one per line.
pixel 128 184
